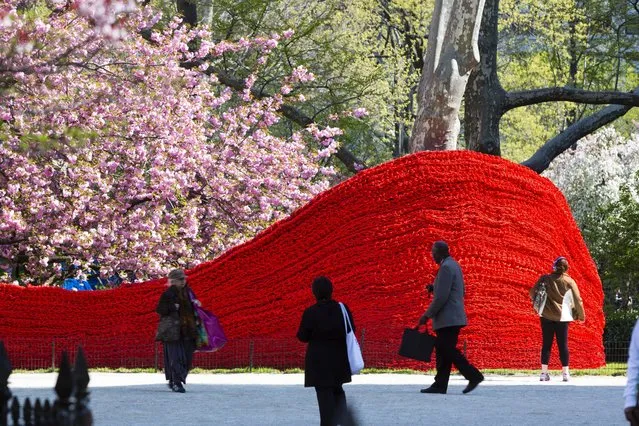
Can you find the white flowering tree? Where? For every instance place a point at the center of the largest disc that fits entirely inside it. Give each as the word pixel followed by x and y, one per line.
pixel 600 179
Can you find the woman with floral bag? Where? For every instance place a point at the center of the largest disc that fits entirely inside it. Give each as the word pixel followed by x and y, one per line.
pixel 177 329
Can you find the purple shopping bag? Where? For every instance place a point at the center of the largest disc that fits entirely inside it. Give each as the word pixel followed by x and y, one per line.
pixel 211 324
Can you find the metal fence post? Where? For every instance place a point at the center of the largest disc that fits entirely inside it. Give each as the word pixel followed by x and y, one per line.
pixel 155 356
pixel 363 339
pixel 53 354
pixel 251 356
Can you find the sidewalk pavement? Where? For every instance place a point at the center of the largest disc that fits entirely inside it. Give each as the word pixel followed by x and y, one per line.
pixel 377 399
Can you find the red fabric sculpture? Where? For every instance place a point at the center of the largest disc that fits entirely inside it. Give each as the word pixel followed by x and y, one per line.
pixel 372 236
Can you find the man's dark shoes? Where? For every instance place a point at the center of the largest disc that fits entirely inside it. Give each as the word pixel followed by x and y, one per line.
pixel 433 389
pixel 177 387
pixel 170 384
pixel 472 384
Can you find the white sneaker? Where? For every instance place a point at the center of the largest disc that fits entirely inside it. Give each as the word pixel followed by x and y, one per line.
pixel 565 377
pixel 545 377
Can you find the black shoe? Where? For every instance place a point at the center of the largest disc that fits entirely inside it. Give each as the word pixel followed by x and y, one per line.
pixel 170 384
pixel 472 384
pixel 433 389
pixel 177 387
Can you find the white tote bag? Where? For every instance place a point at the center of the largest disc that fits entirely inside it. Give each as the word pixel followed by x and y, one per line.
pixel 352 347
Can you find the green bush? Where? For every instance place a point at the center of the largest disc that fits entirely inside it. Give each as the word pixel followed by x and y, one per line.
pixel 619 325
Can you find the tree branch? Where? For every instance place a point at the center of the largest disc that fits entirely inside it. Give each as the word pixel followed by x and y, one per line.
pixel 569 94
pixel 12 241
pixel 352 163
pixel 137 201
pixel 560 143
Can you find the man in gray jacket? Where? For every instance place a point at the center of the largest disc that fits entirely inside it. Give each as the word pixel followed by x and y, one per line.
pixel 448 315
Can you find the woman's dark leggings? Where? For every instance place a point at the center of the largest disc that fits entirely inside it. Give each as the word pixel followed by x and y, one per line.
pixel 549 329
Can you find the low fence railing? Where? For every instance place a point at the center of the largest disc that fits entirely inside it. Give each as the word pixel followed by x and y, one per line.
pixel 245 353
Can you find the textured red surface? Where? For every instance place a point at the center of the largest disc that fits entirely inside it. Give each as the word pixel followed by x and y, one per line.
pixel 371 235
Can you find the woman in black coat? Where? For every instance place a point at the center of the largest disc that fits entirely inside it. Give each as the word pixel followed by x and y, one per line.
pixel 326 365
pixel 178 355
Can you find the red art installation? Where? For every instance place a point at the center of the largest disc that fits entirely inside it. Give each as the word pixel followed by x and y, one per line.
pixel 372 236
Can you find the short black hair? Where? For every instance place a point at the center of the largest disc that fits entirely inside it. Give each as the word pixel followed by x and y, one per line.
pixel 441 248
pixel 322 288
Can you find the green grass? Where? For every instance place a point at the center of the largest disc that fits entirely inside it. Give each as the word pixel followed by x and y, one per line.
pixel 611 369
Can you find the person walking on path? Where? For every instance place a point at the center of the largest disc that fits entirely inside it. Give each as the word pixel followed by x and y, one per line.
pixel 631 408
pixel 178 351
pixel 326 363
pixel 448 315
pixel 563 305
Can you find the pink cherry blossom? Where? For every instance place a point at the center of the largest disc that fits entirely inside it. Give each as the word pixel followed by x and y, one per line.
pixel 115 155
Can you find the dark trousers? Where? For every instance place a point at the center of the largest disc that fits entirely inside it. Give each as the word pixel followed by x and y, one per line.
pixel 550 329
pixel 178 360
pixel 447 354
pixel 332 404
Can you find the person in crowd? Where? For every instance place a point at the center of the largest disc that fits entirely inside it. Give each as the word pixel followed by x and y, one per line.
pixel 326 365
pixel 178 354
pixel 563 305
pixel 449 316
pixel 618 299
pixel 631 408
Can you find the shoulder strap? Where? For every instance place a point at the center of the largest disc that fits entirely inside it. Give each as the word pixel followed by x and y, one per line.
pixel 191 294
pixel 347 321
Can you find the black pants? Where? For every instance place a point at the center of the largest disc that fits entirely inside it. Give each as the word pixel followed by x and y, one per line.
pixel 332 404
pixel 550 329
pixel 447 354
pixel 178 359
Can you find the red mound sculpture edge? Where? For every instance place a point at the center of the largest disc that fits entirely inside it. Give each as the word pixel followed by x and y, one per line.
pixel 371 235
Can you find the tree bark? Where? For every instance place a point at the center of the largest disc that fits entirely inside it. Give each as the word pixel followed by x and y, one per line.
pixel 451 55
pixel 188 10
pixel 485 98
pixel 569 94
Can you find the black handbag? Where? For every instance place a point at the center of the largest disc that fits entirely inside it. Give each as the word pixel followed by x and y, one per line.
pixel 168 328
pixel 417 345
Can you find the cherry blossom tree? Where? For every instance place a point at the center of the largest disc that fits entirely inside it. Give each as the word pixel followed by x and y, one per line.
pixel 115 156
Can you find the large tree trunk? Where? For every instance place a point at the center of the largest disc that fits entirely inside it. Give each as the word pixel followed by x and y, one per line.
pixel 188 10
pixel 485 98
pixel 451 55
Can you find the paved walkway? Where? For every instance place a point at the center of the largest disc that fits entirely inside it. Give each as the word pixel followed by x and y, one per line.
pixel 378 399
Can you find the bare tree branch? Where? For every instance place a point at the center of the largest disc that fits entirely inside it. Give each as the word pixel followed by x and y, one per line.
pixel 569 94
pixel 560 143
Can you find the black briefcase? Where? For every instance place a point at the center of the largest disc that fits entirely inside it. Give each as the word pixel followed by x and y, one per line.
pixel 417 345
